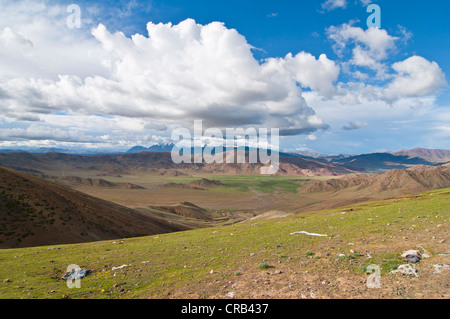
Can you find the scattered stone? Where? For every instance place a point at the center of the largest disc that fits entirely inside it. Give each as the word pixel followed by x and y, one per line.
pixel 211 272
pixel 309 234
pixel 424 254
pixel 437 268
pixel 412 255
pixel 412 258
pixel 76 274
pixel 120 267
pixel 231 295
pixel 7 280
pixel 277 272
pixel 406 269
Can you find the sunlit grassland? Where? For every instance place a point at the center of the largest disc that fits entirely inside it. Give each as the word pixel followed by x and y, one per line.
pixel 159 264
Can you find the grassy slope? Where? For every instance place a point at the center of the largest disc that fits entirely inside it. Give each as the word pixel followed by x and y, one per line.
pixel 178 265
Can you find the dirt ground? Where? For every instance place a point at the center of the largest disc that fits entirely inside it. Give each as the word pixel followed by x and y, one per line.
pixel 300 277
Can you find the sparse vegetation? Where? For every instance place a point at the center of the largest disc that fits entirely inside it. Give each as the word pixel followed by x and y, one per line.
pixel 263 265
pixel 183 270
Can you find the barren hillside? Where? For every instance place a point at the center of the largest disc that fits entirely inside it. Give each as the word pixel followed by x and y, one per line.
pixel 37 212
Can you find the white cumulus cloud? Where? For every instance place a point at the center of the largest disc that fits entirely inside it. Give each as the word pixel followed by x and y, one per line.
pixel 416 76
pixel 334 4
pixel 178 73
pixel 370 47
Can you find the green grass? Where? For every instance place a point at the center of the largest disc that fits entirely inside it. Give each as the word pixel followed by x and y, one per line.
pixel 247 183
pixel 263 266
pixel 160 264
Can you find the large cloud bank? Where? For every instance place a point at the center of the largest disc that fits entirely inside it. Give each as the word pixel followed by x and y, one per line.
pixel 94 85
pixel 170 76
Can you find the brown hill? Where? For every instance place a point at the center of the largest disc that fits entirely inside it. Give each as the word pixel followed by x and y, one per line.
pixel 430 155
pixel 187 209
pixel 37 212
pixel 197 184
pixel 205 182
pixel 94 182
pixel 181 185
pixel 395 182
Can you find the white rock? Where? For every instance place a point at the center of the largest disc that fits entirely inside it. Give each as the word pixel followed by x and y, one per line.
pixel 120 267
pixel 406 269
pixel 231 294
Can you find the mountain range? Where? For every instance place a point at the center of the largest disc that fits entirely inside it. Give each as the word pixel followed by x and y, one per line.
pixel 333 164
pixel 430 155
pixel 160 163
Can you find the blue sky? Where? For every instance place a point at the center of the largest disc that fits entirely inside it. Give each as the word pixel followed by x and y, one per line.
pixel 280 27
pixel 311 68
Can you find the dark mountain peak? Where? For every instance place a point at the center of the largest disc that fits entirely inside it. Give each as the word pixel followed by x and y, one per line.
pixel 153 148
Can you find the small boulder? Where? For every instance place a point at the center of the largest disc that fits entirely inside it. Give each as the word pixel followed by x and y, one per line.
pixel 412 255
pixel 231 295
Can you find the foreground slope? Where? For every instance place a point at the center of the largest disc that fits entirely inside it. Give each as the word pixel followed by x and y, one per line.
pixel 37 212
pixel 214 262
